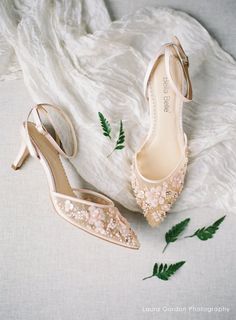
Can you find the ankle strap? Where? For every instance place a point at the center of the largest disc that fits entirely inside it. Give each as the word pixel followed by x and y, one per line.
pixel 40 127
pixel 169 50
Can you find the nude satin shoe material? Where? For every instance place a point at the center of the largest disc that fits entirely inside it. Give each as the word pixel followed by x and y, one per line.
pixel 159 166
pixel 87 210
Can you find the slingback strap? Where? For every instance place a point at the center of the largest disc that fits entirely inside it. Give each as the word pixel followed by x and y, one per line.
pixel 40 127
pixel 168 50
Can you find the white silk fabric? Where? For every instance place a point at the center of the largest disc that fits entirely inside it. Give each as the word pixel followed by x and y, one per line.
pixel 72 55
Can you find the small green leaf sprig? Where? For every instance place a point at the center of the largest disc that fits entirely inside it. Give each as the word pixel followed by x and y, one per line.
pixel 203 234
pixel 207 233
pixel 164 271
pixel 173 234
pixel 106 127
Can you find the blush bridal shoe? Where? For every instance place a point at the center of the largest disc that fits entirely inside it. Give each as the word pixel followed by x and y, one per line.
pixel 159 166
pixel 85 209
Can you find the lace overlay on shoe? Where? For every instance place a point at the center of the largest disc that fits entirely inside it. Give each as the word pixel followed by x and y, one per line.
pixel 104 221
pixel 164 153
pixel 88 210
pixel 156 198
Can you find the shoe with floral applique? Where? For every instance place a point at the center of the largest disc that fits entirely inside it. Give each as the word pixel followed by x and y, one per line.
pixel 87 210
pixel 159 166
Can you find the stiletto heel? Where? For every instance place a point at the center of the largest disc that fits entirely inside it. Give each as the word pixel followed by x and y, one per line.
pixel 87 210
pixel 21 157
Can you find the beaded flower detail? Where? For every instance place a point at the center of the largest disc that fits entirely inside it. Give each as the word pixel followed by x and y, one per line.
pixel 103 221
pixel 156 198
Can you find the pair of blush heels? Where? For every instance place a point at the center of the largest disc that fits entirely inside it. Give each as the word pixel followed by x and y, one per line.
pixel 158 168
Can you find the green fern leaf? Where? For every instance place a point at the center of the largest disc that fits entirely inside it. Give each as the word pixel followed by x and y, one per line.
pixel 164 271
pixel 207 233
pixel 173 234
pixel 106 127
pixel 121 139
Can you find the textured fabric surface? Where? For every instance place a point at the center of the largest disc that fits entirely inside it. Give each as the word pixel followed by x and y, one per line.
pixel 86 73
pixel 217 16
pixel 51 270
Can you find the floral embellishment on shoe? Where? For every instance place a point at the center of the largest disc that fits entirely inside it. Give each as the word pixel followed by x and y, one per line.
pixel 152 197
pixel 95 215
pixel 96 219
pixel 103 220
pixel 68 205
pixel 156 198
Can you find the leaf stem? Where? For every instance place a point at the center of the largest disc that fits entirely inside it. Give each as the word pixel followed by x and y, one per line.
pixel 165 248
pixel 110 153
pixel 189 236
pixel 147 277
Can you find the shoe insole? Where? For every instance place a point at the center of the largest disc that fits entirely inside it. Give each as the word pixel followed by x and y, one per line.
pixel 163 150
